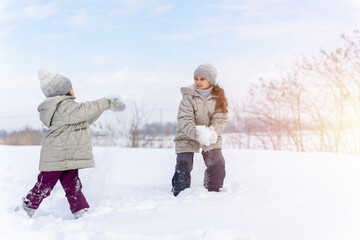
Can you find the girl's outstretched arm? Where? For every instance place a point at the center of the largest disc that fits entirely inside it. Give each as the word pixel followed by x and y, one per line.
pixel 81 112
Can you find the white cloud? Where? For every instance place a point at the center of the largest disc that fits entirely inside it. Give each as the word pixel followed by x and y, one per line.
pixel 100 59
pixel 48 37
pixel 228 7
pixel 39 11
pixel 257 21
pixel 132 6
pixel 250 8
pixel 6 31
pixel 79 19
pixel 109 58
pixel 151 7
pixel 354 3
pixel 271 18
pixel 112 77
pixel 3 5
pixel 297 30
pixel 21 95
pixel 180 37
pixel 162 9
pixel 33 12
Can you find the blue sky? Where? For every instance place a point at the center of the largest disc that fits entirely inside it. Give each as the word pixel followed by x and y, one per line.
pixel 147 49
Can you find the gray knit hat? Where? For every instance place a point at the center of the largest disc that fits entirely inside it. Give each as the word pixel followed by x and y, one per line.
pixel 208 71
pixel 53 84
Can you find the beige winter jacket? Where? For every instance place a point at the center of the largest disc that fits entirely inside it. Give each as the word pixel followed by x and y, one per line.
pixel 67 143
pixel 195 110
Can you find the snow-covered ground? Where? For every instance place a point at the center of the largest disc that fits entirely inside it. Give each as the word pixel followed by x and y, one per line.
pixel 267 195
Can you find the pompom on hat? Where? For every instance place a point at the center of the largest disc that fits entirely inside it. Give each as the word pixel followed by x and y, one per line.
pixel 53 84
pixel 207 71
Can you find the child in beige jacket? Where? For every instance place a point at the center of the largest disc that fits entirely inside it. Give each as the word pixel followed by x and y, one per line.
pixel 202 118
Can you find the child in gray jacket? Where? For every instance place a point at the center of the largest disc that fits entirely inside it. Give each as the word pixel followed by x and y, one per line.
pixel 67 144
pixel 202 118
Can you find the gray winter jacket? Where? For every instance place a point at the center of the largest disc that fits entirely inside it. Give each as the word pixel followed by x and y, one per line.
pixel 195 110
pixel 67 143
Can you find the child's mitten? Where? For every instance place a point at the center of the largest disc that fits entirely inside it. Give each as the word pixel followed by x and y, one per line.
pixel 213 137
pixel 116 105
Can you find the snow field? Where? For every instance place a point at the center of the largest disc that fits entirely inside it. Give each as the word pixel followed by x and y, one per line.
pixel 267 195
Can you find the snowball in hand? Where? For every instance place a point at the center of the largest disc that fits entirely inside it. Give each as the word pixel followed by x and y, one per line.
pixel 116 104
pixel 206 135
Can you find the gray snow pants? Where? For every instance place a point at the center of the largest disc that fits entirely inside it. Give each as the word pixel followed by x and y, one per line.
pixel 214 173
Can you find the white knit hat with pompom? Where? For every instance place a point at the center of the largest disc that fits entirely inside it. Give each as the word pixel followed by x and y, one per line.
pixel 207 71
pixel 53 84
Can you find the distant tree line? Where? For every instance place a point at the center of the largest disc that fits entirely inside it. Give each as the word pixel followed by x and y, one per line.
pixel 155 131
pixel 3 133
pixel 26 136
pixel 169 128
pixel 157 128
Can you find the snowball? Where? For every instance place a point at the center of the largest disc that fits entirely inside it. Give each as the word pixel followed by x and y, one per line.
pixel 206 135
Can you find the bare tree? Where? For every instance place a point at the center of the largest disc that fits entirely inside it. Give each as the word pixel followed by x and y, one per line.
pixel 316 106
pixel 109 130
pixel 139 118
pixel 339 112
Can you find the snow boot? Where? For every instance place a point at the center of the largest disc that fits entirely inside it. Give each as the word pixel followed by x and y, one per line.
pixel 30 212
pixel 215 170
pixel 80 213
pixel 182 177
pixel 214 190
pixel 180 181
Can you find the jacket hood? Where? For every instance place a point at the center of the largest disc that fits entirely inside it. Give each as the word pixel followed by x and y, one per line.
pixel 190 90
pixel 48 107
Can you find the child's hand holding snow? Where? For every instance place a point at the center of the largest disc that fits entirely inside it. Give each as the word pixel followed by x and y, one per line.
pixel 116 104
pixel 206 135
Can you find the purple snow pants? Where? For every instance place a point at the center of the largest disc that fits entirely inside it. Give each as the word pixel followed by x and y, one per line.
pixel 69 180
